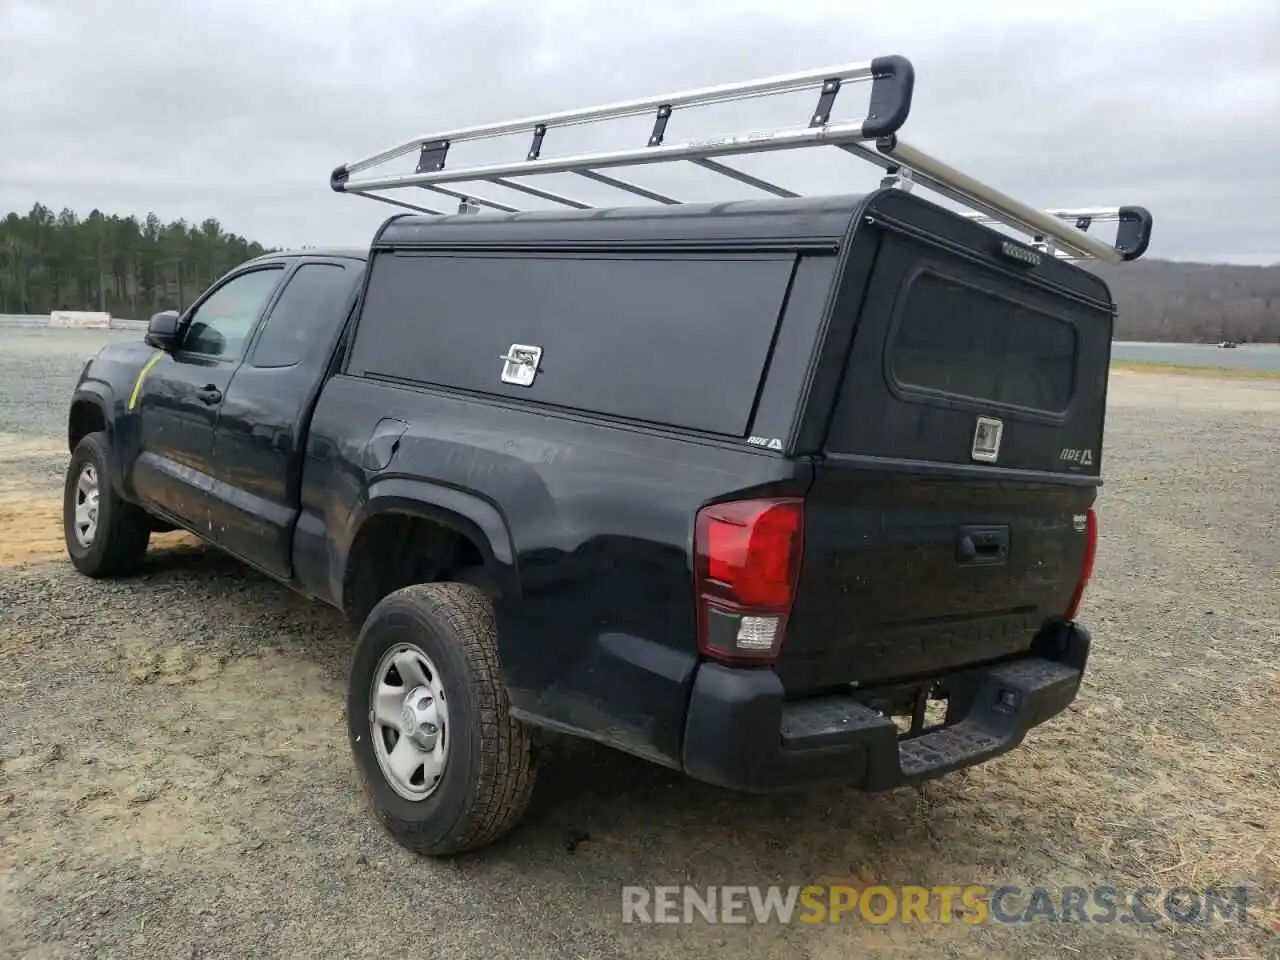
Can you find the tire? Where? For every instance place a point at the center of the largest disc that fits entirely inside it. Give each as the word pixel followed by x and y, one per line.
pixel 477 577
pixel 114 542
pixel 482 755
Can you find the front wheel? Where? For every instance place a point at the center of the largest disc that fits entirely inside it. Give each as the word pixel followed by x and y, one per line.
pixel 106 536
pixel 445 766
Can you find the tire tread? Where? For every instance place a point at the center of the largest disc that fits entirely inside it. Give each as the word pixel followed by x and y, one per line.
pixel 504 776
pixel 125 526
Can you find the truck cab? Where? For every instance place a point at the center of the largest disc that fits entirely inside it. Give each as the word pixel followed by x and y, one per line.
pixel 207 418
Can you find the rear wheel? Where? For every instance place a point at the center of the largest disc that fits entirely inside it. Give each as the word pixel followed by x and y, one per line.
pixel 444 765
pixel 105 535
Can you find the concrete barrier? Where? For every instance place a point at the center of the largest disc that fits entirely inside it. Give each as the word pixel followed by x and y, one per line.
pixel 80 319
pixel 42 320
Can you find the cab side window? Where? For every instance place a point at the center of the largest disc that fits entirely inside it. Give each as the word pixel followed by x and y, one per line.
pixel 305 316
pixel 221 324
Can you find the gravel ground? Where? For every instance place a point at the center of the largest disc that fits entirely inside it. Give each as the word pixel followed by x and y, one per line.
pixel 174 777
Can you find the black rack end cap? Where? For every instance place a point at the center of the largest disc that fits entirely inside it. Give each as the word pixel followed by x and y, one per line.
pixel 338 179
pixel 1133 235
pixel 893 82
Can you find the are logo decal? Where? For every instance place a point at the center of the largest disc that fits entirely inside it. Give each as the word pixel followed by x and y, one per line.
pixel 1083 458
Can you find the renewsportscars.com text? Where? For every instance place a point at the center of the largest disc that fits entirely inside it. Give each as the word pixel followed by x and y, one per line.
pixel 972 904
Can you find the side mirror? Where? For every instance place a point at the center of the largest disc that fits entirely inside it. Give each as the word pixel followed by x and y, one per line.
pixel 162 331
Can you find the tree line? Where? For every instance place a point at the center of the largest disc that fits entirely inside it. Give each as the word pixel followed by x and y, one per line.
pixel 133 268
pixel 122 265
pixel 1196 302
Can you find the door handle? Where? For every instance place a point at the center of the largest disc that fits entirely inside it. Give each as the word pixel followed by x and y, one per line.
pixel 209 394
pixel 983 544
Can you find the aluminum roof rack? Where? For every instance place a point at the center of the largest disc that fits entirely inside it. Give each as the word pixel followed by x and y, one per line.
pixel 873 138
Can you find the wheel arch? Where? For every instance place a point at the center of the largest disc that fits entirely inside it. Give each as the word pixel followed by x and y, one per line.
pixel 89 413
pixel 474 524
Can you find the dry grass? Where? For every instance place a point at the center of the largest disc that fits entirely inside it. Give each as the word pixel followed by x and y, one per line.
pixel 31 530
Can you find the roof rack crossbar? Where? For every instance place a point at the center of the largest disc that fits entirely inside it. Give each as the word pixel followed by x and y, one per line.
pixel 724 170
pixel 627 186
pixel 539 193
pixel 471 198
pixel 396 202
pixel 1060 232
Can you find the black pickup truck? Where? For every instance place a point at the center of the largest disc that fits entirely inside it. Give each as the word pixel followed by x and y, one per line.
pixel 772 492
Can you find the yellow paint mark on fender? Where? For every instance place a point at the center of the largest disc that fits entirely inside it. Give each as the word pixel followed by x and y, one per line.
pixel 137 386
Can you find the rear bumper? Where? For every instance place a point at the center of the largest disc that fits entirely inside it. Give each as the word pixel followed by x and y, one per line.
pixel 741 733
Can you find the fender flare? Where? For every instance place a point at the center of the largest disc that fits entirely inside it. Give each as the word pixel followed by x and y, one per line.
pixel 98 394
pixel 468 514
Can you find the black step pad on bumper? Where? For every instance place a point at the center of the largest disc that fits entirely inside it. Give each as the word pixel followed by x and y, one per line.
pixel 741 734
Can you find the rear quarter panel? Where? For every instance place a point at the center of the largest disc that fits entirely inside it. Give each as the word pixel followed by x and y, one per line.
pixel 598 635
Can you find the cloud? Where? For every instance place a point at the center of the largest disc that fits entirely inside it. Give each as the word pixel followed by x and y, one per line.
pixel 239 110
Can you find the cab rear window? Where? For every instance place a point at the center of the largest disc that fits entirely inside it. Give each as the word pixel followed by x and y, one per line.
pixel 955 339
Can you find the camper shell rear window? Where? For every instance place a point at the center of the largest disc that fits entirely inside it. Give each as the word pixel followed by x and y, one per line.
pixel 955 339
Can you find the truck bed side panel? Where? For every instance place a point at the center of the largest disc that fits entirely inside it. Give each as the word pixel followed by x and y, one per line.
pixel 601 637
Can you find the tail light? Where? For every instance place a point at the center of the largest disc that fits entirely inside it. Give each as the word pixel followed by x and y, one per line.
pixel 1086 565
pixel 746 567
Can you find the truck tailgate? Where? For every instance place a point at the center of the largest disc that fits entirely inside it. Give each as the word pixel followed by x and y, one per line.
pixel 910 575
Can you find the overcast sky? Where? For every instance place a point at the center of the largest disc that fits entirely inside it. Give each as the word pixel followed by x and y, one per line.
pixel 238 109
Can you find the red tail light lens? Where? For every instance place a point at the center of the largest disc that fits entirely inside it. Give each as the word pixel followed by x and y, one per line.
pixel 746 567
pixel 1086 565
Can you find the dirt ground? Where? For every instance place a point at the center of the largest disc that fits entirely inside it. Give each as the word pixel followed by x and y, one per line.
pixel 175 782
